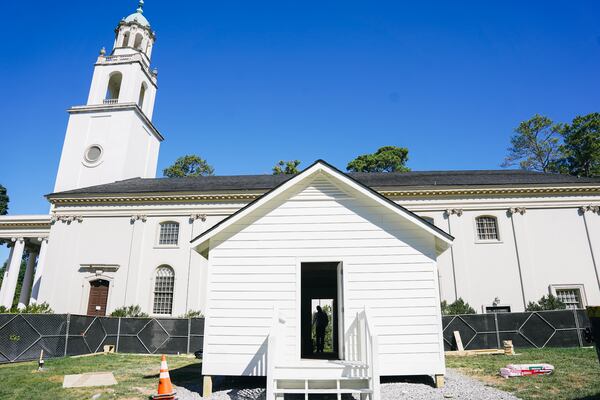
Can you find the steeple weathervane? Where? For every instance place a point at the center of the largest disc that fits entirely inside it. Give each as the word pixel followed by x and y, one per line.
pixel 140 8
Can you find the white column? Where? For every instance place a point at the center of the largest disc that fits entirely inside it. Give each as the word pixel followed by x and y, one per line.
pixel 26 286
pixel 5 274
pixel 13 273
pixel 39 270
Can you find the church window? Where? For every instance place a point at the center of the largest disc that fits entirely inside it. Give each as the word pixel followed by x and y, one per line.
pixel 169 234
pixel 114 86
pixel 164 284
pixel 572 295
pixel 138 41
pixel 93 153
pixel 142 95
pixel 487 228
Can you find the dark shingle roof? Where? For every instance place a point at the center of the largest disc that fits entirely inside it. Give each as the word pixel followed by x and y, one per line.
pixel 417 179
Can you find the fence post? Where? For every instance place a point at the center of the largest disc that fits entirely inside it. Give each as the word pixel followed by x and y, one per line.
pixel 577 327
pixel 189 335
pixel 118 335
pixel 67 333
pixel 497 330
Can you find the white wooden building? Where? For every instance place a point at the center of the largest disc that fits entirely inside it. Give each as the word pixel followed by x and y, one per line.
pixel 236 246
pixel 267 261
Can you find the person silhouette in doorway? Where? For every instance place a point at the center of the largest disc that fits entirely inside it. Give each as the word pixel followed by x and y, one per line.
pixel 320 322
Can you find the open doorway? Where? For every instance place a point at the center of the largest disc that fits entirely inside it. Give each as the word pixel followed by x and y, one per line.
pixel 320 332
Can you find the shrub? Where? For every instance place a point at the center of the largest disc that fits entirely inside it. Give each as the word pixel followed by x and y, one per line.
pixel 37 308
pixel 458 307
pixel 546 303
pixel 129 311
pixel 192 314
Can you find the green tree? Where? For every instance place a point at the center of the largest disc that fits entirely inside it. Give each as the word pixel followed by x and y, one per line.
pixel 286 167
pixel 546 303
pixel 535 145
pixel 458 307
pixel 386 159
pixel 3 201
pixel 189 165
pixel 581 147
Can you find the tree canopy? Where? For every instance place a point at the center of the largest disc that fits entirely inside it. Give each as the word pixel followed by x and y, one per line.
pixel 539 144
pixel 3 201
pixel 581 148
pixel 189 165
pixel 286 167
pixel 535 145
pixel 385 159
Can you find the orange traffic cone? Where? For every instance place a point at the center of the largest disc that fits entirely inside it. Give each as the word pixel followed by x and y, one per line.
pixel 165 388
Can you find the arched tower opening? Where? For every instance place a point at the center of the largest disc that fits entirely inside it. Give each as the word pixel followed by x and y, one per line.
pixel 142 95
pixel 125 39
pixel 137 44
pixel 114 87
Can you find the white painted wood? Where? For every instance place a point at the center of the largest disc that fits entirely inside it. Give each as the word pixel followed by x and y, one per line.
pixel 253 266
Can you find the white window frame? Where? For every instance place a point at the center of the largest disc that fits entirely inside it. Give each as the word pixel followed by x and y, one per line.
pixel 153 290
pixel 577 286
pixel 476 231
pixel 158 231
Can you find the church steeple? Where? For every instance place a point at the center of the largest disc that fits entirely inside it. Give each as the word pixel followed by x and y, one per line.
pixel 112 137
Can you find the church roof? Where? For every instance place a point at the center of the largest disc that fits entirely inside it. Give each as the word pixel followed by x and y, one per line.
pixel 413 179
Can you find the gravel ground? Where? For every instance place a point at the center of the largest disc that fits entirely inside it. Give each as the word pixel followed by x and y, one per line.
pixel 458 386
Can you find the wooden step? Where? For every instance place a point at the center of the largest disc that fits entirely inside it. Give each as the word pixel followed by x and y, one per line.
pixel 322 391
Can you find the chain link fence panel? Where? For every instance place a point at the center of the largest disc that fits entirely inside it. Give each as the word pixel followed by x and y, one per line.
pixel 23 336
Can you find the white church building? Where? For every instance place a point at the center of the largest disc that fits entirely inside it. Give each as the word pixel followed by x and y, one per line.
pixel 238 247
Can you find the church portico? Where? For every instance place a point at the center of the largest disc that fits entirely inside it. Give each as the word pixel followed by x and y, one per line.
pixel 27 238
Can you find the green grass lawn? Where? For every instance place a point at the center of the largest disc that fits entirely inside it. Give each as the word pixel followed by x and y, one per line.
pixel 576 374
pixel 137 377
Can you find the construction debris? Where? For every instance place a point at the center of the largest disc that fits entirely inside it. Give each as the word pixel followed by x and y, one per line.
pixel 512 370
pixel 508 349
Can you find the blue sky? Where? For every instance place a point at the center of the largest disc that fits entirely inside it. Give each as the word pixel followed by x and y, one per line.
pixel 245 84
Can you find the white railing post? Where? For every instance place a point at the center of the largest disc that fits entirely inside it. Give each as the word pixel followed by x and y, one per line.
pixel 372 356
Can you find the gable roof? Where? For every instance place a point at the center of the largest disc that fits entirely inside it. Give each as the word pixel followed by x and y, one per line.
pixel 321 165
pixel 411 179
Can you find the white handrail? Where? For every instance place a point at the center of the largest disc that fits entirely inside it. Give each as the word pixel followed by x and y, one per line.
pixel 273 350
pixel 371 351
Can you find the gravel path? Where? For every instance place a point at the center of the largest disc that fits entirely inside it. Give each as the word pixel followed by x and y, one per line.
pixel 458 386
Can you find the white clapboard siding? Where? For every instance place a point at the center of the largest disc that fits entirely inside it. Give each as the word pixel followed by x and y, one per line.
pixel 388 262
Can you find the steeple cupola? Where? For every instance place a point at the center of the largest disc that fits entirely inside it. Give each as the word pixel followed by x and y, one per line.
pixel 134 33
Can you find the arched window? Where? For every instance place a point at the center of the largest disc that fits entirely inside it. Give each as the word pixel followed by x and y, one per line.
pixel 164 283
pixel 138 41
pixel 125 39
pixel 142 95
pixel 487 228
pixel 169 233
pixel 114 86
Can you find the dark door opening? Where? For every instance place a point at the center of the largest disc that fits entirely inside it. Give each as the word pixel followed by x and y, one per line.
pixel 98 297
pixel 319 286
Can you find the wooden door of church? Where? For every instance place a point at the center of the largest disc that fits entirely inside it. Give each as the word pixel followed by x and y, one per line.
pixel 98 297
